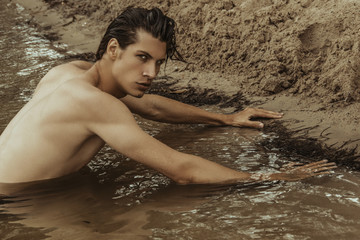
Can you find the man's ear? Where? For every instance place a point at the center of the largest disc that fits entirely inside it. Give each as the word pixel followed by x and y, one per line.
pixel 113 48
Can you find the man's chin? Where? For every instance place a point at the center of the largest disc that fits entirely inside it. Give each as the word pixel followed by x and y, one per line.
pixel 140 95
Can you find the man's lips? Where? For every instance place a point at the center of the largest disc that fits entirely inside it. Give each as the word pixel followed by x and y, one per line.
pixel 144 85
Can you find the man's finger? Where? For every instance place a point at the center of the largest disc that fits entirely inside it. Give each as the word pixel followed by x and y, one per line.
pixel 321 173
pixel 322 165
pixel 257 112
pixel 252 124
pixel 321 169
pixel 327 165
pixel 314 164
pixel 292 164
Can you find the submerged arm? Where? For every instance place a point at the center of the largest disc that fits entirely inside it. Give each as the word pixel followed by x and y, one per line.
pixel 163 109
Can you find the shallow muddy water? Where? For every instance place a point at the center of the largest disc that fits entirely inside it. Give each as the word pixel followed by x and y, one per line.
pixel 116 198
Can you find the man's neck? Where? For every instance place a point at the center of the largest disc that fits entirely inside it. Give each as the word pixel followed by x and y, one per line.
pixel 101 73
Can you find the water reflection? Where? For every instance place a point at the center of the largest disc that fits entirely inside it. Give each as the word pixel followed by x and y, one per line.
pixel 78 205
pixel 81 206
pixel 25 55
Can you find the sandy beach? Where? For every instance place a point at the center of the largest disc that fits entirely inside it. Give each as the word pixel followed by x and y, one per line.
pixel 300 57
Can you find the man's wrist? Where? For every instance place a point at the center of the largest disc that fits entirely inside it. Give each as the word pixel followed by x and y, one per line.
pixel 266 177
pixel 226 119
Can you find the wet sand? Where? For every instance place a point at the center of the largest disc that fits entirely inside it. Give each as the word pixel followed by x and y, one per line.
pixel 298 57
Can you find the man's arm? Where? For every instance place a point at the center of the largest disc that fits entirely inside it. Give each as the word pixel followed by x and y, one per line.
pixel 113 122
pixel 163 109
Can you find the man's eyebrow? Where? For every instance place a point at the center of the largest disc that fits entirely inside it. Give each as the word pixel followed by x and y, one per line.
pixel 149 56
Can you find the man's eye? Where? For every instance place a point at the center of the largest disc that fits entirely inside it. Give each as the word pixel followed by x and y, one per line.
pixel 143 57
pixel 159 63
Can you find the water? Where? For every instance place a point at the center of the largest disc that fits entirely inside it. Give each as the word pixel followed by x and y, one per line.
pixel 116 198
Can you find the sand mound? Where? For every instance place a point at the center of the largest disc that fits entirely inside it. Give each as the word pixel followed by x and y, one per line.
pixel 307 47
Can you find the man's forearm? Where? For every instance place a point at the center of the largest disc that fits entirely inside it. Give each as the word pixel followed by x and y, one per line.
pixel 196 170
pixel 200 171
pixel 163 109
pixel 172 111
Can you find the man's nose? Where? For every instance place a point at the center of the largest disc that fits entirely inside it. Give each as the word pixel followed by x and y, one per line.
pixel 150 71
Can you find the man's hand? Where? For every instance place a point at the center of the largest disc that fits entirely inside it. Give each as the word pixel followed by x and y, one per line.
pixel 298 171
pixel 243 118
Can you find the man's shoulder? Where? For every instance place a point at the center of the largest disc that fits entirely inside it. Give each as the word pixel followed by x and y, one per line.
pixel 81 100
pixel 79 90
pixel 84 65
pixel 71 66
pixel 89 96
pixel 64 72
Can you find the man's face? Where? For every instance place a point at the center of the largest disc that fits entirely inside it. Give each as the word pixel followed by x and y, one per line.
pixel 137 65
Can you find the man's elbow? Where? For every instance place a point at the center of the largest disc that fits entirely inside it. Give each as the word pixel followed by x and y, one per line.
pixel 185 175
pixel 151 114
pixel 183 180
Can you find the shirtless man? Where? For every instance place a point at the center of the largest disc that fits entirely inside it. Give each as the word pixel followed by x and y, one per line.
pixel 79 106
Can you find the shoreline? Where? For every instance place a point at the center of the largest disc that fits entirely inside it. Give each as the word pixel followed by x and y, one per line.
pixel 332 124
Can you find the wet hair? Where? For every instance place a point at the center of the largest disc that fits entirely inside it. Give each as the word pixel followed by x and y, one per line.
pixel 124 29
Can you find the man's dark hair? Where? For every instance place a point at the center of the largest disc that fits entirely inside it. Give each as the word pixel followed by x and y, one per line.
pixel 124 29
